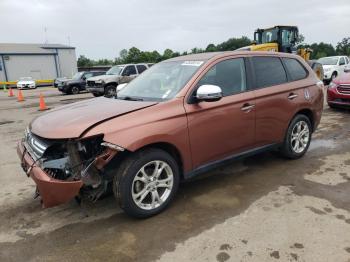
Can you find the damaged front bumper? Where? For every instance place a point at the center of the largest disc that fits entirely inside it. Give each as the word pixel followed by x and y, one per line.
pixel 52 191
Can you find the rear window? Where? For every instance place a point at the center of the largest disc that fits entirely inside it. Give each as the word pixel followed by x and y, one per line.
pixel 269 71
pixel 295 69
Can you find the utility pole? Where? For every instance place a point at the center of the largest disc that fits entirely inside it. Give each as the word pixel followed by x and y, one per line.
pixel 45 35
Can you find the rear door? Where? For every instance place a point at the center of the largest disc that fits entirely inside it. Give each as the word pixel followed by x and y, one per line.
pixel 225 127
pixel 276 96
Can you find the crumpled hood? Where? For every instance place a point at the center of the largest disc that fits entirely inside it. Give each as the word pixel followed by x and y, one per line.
pixel 72 120
pixel 105 78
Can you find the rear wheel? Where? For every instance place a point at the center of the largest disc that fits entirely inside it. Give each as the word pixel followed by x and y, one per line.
pixel 146 182
pixel 298 137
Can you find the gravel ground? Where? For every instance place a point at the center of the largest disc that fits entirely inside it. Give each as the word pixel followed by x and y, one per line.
pixel 263 208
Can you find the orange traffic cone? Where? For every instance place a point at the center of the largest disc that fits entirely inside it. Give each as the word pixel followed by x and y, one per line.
pixel 42 105
pixel 20 97
pixel 10 92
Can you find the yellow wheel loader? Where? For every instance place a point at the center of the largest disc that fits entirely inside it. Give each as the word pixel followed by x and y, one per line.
pixel 283 39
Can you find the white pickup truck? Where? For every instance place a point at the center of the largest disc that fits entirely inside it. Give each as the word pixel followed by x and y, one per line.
pixel 119 74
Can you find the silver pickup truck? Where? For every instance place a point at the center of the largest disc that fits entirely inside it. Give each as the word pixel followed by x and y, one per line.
pixel 119 74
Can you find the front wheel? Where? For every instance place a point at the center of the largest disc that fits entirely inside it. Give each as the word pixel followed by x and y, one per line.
pixel 146 182
pixel 298 137
pixel 110 91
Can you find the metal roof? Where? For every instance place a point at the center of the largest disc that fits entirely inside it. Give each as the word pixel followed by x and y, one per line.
pixel 16 48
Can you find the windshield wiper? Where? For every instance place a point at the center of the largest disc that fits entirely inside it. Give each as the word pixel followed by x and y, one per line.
pixel 130 98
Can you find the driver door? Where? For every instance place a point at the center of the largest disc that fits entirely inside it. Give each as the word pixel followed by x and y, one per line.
pixel 128 74
pixel 226 127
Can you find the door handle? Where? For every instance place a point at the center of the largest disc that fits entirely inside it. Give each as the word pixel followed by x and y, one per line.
pixel 247 107
pixel 292 96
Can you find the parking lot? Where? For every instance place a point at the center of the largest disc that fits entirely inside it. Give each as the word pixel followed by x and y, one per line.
pixel 264 208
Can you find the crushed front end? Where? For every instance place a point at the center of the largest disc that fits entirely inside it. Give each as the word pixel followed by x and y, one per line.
pixel 65 168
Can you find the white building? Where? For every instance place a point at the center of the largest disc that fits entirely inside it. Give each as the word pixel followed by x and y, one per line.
pixel 40 61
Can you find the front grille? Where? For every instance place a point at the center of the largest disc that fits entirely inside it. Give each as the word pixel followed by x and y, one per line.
pixel 91 83
pixel 36 146
pixel 344 89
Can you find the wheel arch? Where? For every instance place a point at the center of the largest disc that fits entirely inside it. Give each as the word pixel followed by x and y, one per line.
pixel 170 149
pixel 308 113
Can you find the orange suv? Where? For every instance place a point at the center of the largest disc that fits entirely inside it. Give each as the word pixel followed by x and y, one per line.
pixel 178 119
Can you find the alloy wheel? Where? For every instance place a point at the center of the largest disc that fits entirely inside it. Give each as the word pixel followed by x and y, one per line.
pixel 152 185
pixel 300 137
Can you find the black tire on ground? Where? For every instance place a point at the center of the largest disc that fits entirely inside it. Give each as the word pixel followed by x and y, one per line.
pixel 317 68
pixel 286 149
pixel 124 177
pixel 74 90
pixel 110 90
pixel 332 106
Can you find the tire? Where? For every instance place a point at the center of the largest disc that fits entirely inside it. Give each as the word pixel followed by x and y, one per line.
pixel 110 90
pixel 289 146
pixel 332 106
pixel 129 181
pixel 74 90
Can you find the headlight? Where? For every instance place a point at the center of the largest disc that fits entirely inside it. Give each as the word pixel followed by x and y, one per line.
pixel 332 85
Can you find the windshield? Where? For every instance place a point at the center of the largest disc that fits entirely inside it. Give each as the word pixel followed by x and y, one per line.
pixel 115 70
pixel 268 36
pixel 328 60
pixel 77 76
pixel 161 82
pixel 25 78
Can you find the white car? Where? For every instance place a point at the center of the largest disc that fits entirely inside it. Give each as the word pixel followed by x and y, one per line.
pixel 26 82
pixel 333 66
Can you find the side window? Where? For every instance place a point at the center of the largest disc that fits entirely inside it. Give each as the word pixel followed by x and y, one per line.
pixel 229 75
pixel 141 68
pixel 87 75
pixel 346 60
pixel 269 71
pixel 295 69
pixel 129 70
pixel 342 61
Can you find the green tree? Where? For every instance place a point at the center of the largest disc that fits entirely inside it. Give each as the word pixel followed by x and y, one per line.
pixel 133 56
pixel 234 43
pixel 322 50
pixel 211 48
pixel 83 61
pixel 168 53
pixel 343 47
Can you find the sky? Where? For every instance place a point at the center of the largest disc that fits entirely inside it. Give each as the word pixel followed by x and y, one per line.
pixel 101 28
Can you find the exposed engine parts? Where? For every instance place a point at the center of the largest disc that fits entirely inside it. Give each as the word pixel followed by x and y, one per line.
pixel 73 160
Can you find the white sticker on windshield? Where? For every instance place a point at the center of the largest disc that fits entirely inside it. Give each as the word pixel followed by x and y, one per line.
pixel 192 63
pixel 166 94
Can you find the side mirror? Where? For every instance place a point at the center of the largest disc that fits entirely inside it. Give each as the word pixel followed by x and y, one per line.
pixel 209 93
